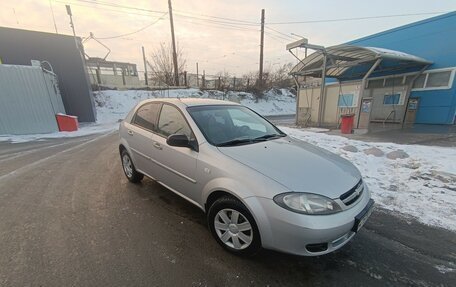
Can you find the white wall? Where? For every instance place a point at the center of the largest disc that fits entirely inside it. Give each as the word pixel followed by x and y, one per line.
pixel 309 99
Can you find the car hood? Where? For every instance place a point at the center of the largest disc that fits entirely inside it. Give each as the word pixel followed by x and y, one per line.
pixel 297 165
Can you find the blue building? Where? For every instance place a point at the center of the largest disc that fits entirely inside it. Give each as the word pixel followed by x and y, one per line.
pixel 433 39
pixel 403 75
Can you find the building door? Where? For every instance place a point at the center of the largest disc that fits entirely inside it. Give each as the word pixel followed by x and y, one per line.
pixel 412 109
pixel 365 111
pixel 315 105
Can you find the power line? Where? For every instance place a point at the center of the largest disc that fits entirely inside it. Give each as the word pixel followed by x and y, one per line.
pixel 137 31
pixel 281 33
pixel 229 22
pixel 274 36
pixel 222 26
pixel 278 40
pixel 215 21
pixel 245 22
pixel 120 6
pixel 354 19
pixel 222 18
pixel 102 8
pixel 238 22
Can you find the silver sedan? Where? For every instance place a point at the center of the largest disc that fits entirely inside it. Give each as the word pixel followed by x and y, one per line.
pixel 258 187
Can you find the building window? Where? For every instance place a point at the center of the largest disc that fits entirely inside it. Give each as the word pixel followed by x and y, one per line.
pixel 346 100
pixel 376 83
pixel 434 80
pixel 419 82
pixel 394 82
pixel 440 79
pixel 393 99
pixel 429 80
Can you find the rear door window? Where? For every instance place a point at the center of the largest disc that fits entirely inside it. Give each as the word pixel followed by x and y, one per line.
pixel 146 116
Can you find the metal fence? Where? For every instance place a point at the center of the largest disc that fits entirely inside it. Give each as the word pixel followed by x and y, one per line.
pixel 29 100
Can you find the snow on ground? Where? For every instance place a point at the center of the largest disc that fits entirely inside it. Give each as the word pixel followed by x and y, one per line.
pixel 112 106
pixel 84 130
pixel 422 185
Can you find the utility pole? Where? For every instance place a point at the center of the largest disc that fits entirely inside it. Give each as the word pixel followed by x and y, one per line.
pixel 176 72
pixel 68 9
pixel 204 79
pixel 53 17
pixel 81 52
pixel 260 79
pixel 197 75
pixel 145 66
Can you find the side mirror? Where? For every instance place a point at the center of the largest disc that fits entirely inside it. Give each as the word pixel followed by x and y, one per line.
pixel 182 141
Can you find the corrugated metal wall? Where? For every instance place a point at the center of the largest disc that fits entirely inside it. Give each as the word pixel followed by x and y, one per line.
pixel 19 47
pixel 29 100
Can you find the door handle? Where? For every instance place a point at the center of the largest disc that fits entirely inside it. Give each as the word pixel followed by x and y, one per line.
pixel 130 132
pixel 158 146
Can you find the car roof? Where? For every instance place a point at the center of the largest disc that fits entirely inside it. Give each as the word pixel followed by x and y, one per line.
pixel 190 102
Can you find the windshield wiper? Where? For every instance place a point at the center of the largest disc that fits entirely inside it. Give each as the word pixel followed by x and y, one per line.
pixel 270 136
pixel 235 142
pixel 254 140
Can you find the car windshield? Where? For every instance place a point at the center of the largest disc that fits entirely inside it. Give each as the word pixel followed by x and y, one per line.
pixel 232 125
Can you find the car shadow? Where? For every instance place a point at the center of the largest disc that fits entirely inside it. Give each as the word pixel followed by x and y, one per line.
pixel 377 253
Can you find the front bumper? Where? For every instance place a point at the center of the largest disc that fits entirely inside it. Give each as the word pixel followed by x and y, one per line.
pixel 307 235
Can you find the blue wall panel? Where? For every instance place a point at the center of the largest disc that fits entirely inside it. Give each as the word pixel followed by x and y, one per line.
pixel 432 39
pixel 432 115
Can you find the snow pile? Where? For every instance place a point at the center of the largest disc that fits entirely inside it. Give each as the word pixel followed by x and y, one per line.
pixel 114 105
pixel 422 185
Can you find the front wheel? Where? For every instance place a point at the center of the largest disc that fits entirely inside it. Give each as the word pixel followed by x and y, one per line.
pixel 129 169
pixel 233 227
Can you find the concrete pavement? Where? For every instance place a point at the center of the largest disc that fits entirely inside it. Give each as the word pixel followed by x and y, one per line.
pixel 70 218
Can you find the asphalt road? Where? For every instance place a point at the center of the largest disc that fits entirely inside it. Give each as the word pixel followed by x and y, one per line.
pixel 70 218
pixel 284 120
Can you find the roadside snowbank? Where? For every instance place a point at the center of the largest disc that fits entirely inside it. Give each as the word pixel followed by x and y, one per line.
pixel 422 185
pixel 112 106
pixel 85 129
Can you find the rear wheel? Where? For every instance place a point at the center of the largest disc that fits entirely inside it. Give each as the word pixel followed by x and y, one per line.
pixel 233 227
pixel 129 169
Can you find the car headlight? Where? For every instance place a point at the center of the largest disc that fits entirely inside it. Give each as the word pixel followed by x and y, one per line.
pixel 307 203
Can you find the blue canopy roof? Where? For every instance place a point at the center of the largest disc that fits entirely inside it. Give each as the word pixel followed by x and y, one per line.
pixel 348 62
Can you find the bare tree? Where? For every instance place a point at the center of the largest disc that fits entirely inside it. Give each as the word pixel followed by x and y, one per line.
pixel 225 80
pixel 250 79
pixel 161 63
pixel 280 77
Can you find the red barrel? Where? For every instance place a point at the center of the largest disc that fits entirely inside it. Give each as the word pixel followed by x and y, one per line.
pixel 346 126
pixel 67 123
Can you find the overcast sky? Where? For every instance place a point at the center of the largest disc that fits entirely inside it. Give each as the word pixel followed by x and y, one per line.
pixel 217 46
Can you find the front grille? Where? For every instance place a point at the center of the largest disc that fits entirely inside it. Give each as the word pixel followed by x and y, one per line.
pixel 353 194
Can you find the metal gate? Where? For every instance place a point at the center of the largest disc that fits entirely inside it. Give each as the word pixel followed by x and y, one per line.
pixel 29 100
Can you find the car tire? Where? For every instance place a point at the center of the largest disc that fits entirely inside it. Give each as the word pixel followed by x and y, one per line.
pixel 228 234
pixel 129 168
